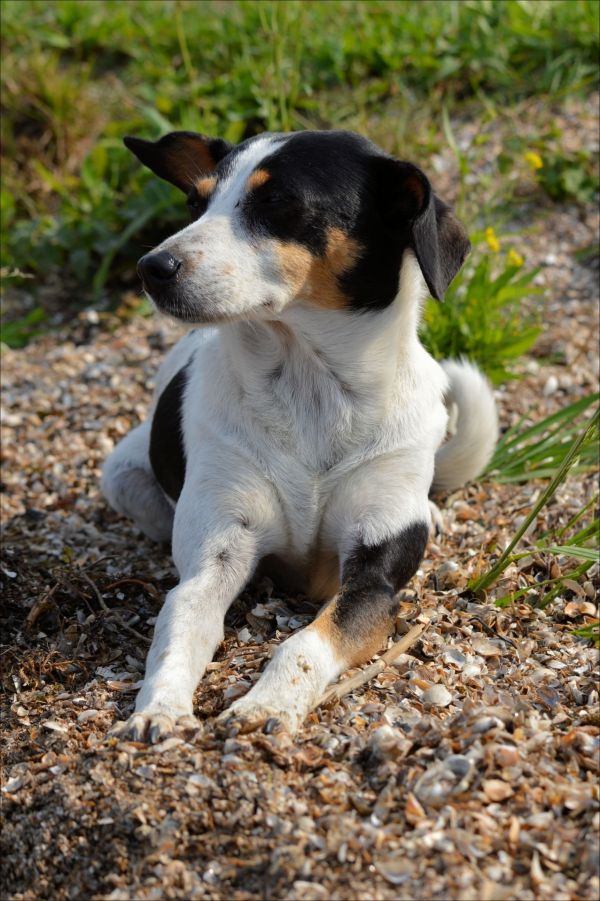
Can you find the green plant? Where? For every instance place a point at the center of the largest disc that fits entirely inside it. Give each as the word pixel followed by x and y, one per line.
pixel 591 632
pixel 536 451
pixel 483 316
pixel 20 331
pixel 569 176
pixel 567 449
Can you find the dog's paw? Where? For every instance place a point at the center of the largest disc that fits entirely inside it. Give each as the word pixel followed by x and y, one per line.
pixel 151 726
pixel 437 522
pixel 240 718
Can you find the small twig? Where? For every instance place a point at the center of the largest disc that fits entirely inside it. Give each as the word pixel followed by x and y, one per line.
pixel 340 689
pixel 113 613
pixel 494 633
pixel 99 560
pixel 145 585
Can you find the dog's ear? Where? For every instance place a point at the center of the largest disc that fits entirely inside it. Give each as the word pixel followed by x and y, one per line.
pixel 180 157
pixel 437 237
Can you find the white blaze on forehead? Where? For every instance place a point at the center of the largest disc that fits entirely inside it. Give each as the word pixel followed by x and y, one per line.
pixel 231 187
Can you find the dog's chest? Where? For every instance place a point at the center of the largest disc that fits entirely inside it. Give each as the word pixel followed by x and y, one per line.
pixel 303 496
pixel 305 458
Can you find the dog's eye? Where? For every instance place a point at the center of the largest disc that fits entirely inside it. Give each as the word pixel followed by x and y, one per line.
pixel 268 199
pixel 276 198
pixel 196 205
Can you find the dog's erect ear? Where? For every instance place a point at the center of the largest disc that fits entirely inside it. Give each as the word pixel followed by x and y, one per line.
pixel 440 242
pixel 180 157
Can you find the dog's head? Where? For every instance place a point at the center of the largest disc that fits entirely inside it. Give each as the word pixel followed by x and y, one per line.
pixel 320 218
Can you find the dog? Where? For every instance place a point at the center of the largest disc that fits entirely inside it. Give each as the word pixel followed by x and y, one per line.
pixel 303 425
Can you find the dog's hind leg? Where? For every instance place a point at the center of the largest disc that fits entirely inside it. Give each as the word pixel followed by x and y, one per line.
pixel 130 487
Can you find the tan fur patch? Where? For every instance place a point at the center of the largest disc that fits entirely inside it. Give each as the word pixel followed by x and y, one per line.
pixel 256 179
pixel 353 649
pixel 315 278
pixel 190 157
pixel 205 186
pixel 324 580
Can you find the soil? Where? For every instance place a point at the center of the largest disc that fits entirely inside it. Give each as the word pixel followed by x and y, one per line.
pixel 465 770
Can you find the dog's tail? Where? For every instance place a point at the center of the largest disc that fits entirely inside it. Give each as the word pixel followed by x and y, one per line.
pixel 472 426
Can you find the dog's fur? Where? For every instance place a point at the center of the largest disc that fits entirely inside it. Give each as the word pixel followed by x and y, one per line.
pixel 307 429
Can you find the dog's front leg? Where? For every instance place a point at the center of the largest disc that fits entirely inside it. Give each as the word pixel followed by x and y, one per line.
pixel 378 522
pixel 216 543
pixel 347 632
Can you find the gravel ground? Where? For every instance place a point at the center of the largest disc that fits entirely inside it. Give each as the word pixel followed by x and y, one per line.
pixel 466 770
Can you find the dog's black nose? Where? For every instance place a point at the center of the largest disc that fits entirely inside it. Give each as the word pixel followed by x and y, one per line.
pixel 158 268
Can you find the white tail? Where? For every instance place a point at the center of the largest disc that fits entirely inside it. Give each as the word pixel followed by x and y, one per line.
pixel 473 426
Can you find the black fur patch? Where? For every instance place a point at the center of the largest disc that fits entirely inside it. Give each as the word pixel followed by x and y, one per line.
pixel 373 575
pixel 167 453
pixel 324 180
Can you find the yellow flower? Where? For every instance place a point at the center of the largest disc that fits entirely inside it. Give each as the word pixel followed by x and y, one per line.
pixel 534 159
pixel 164 104
pixel 514 258
pixel 492 241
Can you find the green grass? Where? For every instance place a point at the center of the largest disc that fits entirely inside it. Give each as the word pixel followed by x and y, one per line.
pixel 589 632
pixel 560 445
pixel 77 76
pixel 535 451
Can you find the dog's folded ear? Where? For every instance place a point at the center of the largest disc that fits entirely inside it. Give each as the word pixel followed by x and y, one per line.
pixel 410 206
pixel 180 157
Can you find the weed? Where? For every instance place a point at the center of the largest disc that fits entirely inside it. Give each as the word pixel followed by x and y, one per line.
pixel 483 316
pixel 564 453
pixel 569 177
pixel 535 451
pixel 20 331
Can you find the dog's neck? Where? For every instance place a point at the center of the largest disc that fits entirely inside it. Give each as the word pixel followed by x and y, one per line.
pixel 341 370
pixel 361 352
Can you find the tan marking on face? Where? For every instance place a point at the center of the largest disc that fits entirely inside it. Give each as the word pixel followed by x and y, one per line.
pixel 256 179
pixel 315 278
pixel 190 156
pixel 205 186
pixel 353 646
pixel 227 269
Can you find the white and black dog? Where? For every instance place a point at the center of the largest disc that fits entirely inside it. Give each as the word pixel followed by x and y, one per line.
pixel 307 428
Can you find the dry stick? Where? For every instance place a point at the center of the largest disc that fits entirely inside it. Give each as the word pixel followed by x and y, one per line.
pixel 340 689
pixel 145 585
pixel 113 613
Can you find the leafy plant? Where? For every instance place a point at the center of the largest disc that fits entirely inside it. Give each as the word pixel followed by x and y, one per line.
pixel 483 316
pixel 20 331
pixel 566 451
pixel 569 177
